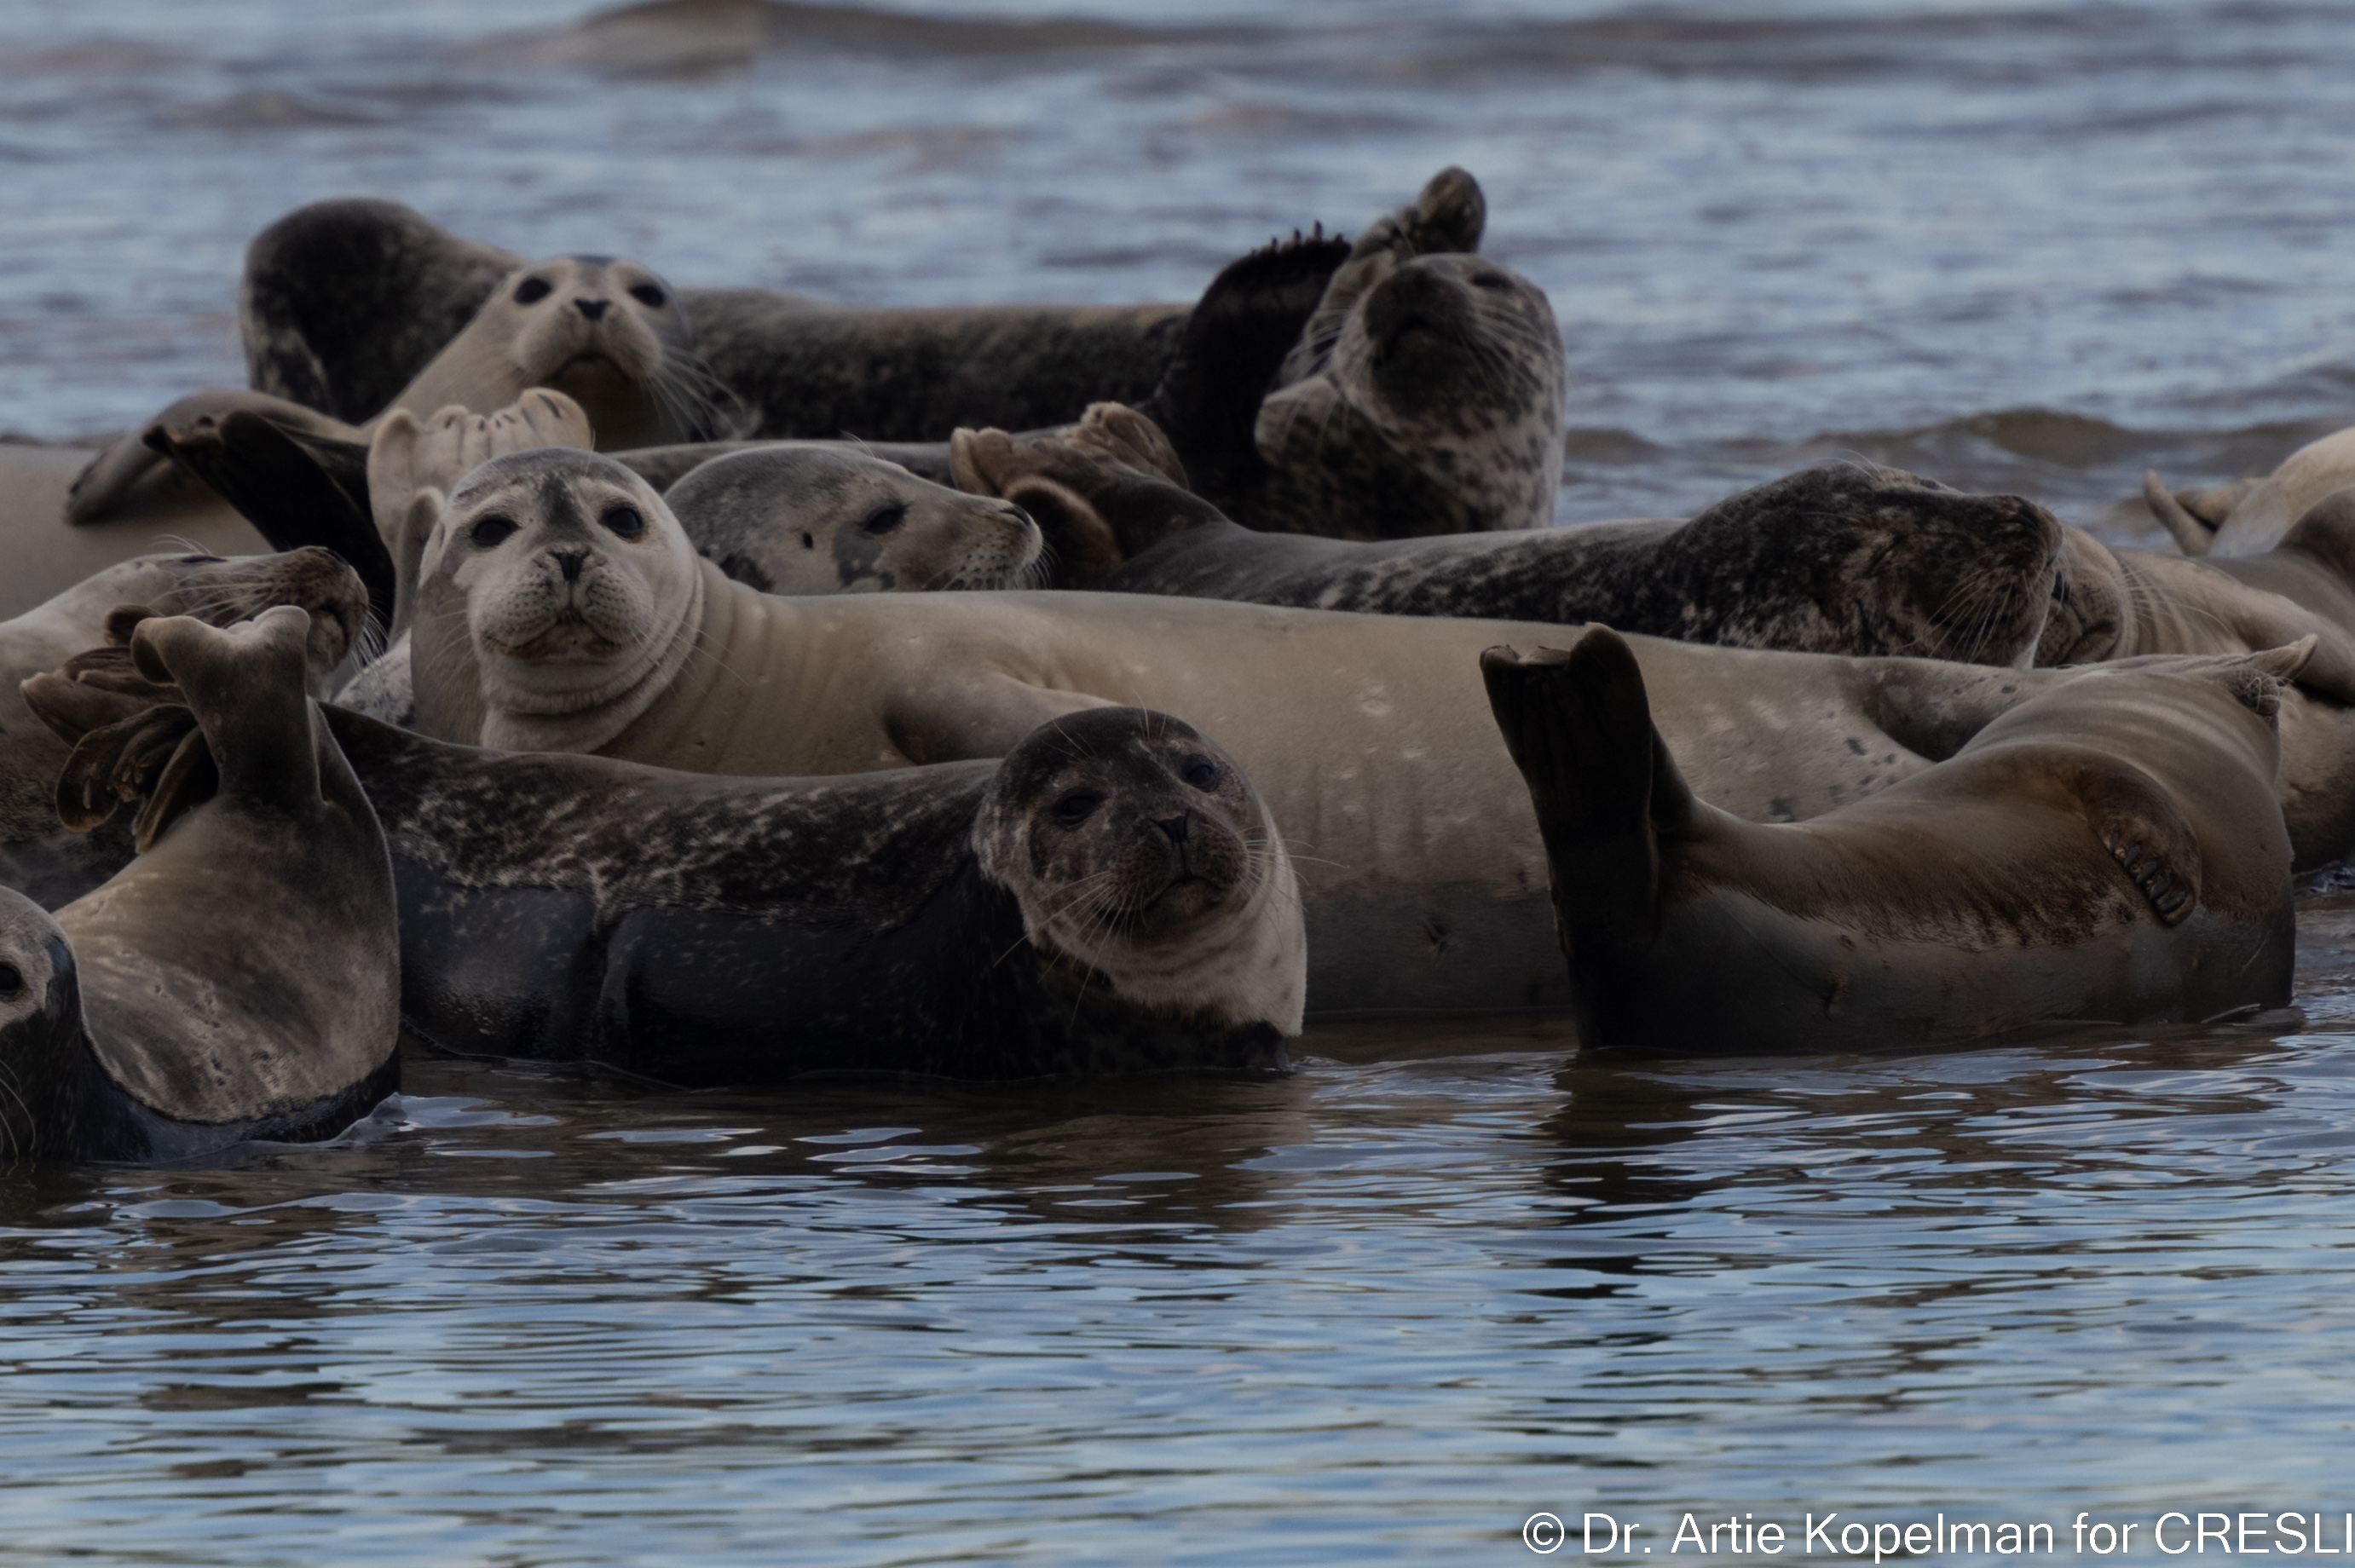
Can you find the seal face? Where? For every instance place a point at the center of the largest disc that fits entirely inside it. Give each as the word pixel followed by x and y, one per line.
pixel 608 332
pixel 2109 850
pixel 580 594
pixel 40 1024
pixel 834 520
pixel 1138 851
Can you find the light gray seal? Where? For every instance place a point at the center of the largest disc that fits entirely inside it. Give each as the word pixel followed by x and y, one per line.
pixel 2110 851
pixel 240 979
pixel 798 519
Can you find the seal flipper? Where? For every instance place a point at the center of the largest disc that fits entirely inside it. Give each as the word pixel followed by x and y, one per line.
pixel 295 487
pixel 1578 726
pixel 1236 340
pixel 2193 535
pixel 2146 833
pixel 248 685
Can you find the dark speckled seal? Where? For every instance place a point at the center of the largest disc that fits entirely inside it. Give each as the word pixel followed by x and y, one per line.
pixel 1843 559
pixel 1110 899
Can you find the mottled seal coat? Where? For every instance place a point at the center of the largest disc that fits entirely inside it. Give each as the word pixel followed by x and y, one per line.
pixel 553 629
pixel 1843 559
pixel 1111 897
pixel 608 332
pixel 239 980
pixel 2109 851
pixel 38 857
pixel 835 520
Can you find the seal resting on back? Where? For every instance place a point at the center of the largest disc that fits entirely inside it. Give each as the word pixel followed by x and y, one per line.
pixel 38 857
pixel 1843 559
pixel 2108 851
pixel 561 608
pixel 239 979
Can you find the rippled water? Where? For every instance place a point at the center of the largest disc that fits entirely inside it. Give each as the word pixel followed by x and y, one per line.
pixel 1441 1279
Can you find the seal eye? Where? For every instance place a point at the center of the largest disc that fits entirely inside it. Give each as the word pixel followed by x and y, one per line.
pixel 491 531
pixel 531 290
pixel 648 295
pixel 12 982
pixel 883 519
pixel 625 522
pixel 1077 807
pixel 1201 772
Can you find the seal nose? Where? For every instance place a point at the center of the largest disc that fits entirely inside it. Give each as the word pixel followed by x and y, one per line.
pixel 593 309
pixel 1174 826
pixel 570 561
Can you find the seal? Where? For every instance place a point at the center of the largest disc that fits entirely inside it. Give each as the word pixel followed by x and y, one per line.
pixel 40 857
pixel 610 334
pixel 2254 515
pixel 46 558
pixel 1844 559
pixel 239 979
pixel 561 608
pixel 832 520
pixel 2108 851
pixel 1111 899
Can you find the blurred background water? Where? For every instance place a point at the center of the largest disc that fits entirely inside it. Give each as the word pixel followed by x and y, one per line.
pixel 1442 1278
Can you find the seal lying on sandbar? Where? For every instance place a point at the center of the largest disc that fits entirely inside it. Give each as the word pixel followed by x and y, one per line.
pixel 1110 899
pixel 1843 559
pixel 239 980
pixel 40 857
pixel 2109 851
pixel 607 332
pixel 560 607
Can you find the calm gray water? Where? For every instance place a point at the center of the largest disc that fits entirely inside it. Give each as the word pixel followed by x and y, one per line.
pixel 1442 1278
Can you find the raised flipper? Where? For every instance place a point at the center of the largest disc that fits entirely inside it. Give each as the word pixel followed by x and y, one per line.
pixel 130 475
pixel 295 487
pixel 1235 341
pixel 1578 726
pixel 2193 535
pixel 1447 218
pixel 1100 491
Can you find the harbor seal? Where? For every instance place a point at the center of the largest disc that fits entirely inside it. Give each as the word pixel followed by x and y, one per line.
pixel 835 520
pixel 2110 850
pixel 239 979
pixel 1843 559
pixel 38 857
pixel 608 332
pixel 551 629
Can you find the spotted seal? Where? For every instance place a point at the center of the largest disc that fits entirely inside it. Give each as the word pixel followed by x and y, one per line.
pixel 1844 559
pixel 835 520
pixel 239 979
pixel 2109 850
pixel 38 857
pixel 608 332
pixel 561 608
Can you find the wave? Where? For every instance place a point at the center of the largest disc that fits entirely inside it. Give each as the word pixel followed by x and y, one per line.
pixel 687 37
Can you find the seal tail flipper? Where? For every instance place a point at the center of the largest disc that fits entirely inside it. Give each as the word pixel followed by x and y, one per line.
pixel 295 489
pixel 2192 536
pixel 248 687
pixel 1578 726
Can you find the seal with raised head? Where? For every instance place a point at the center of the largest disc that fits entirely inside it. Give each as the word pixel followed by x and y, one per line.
pixel 240 979
pixel 1844 559
pixel 561 608
pixel 610 334
pixel 38 857
pixel 799 519
pixel 2109 851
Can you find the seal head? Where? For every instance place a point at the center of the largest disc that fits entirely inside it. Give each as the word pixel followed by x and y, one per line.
pixel 811 519
pixel 581 596
pixel 1140 854
pixel 41 1022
